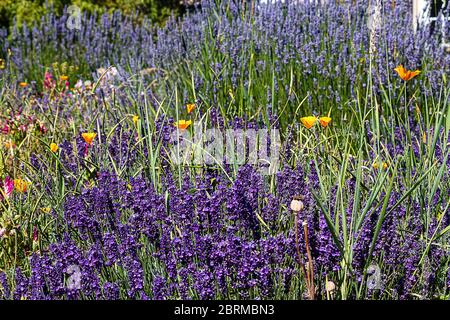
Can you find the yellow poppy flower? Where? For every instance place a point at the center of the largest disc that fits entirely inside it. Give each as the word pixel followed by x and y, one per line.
pixel 324 121
pixel 20 185
pixel 46 209
pixel 64 78
pixel 88 137
pixel 135 119
pixel 190 107
pixel 308 122
pixel 376 166
pixel 183 124
pixel 406 75
pixel 53 147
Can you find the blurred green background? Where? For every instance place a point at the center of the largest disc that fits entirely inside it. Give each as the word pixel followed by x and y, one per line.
pixel 28 11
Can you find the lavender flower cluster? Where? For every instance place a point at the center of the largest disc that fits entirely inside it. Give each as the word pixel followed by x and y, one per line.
pixel 211 238
pixel 328 44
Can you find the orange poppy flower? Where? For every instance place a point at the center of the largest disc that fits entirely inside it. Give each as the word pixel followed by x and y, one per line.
pixel 324 121
pixel 53 147
pixel 406 75
pixel 88 137
pixel 190 107
pixel 20 185
pixel 183 124
pixel 23 84
pixel 308 122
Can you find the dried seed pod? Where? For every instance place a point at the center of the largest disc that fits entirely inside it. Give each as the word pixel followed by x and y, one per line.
pixel 330 286
pixel 297 205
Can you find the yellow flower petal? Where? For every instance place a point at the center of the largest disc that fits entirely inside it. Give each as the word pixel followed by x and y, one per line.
pixel 46 209
pixel 375 165
pixel 404 74
pixel 308 122
pixel 190 107
pixel 88 137
pixel 183 124
pixel 53 147
pixel 324 121
pixel 20 185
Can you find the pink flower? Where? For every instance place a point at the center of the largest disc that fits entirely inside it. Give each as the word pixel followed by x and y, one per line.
pixel 42 127
pixel 35 234
pixel 6 129
pixel 7 187
pixel 49 83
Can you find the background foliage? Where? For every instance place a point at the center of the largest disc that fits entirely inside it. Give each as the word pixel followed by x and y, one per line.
pixel 30 11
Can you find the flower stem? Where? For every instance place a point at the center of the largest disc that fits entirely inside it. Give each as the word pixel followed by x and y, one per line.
pixel 300 260
pixel 312 292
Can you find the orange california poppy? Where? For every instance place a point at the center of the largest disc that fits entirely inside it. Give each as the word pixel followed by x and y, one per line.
pixel 406 75
pixel 183 124
pixel 324 121
pixel 308 122
pixel 88 137
pixel 53 147
pixel 190 107
pixel 20 185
